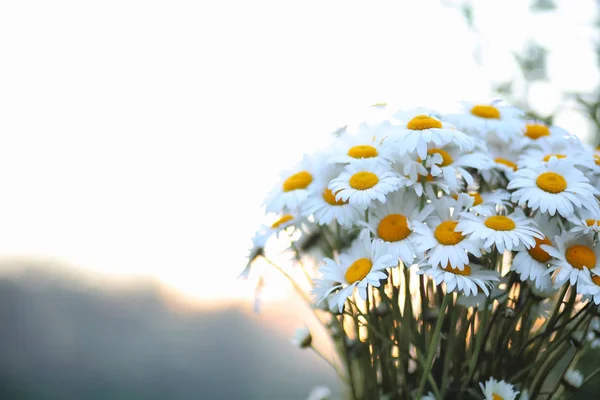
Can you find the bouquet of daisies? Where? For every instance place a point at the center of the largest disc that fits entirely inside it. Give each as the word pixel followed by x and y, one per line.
pixel 448 256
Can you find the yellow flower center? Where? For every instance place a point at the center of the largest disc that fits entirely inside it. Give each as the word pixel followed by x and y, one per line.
pixel 559 156
pixel 537 253
pixel 421 122
pixel 551 182
pixel 506 162
pixel 591 222
pixel 497 397
pixel 536 131
pixel 282 220
pixel 483 111
pixel 597 159
pixel 477 200
pixel 596 279
pixel 580 256
pixel 446 235
pixel 466 271
pixel 500 223
pixel 329 197
pixel 299 180
pixel 363 180
pixel 446 158
pixel 363 151
pixel 358 270
pixel 393 228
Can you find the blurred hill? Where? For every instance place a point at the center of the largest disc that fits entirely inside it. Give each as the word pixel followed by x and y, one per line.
pixel 64 336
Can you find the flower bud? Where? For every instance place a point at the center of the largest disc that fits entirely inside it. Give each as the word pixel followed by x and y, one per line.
pixel 302 338
pixel 573 379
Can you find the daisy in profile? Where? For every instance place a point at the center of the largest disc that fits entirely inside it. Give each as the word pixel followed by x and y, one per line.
pixel 555 187
pixel 488 203
pixel 503 165
pixel 363 181
pixel 259 240
pixel 585 221
pixel 418 177
pixel 293 188
pixel 361 266
pixel 302 338
pixel 496 390
pixel 589 284
pixel 492 122
pixel 422 130
pixel 364 145
pixel 450 162
pixel 441 239
pixel 325 208
pixel 534 132
pixel 281 223
pixel 532 263
pixel 323 297
pixel 571 256
pixel 391 225
pixel 468 279
pixel 568 148
pixel 503 231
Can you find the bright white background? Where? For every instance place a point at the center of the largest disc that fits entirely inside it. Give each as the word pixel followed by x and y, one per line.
pixel 140 137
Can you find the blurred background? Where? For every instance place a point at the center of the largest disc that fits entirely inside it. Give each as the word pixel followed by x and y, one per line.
pixel 138 140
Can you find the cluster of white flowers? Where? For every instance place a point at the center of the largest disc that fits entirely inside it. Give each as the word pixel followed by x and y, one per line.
pixel 437 192
pixel 491 211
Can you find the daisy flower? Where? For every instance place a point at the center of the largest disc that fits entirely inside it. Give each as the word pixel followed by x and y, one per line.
pixel 468 279
pixel 259 240
pixel 532 263
pixel 504 164
pixel 534 132
pixel 361 266
pixel 589 284
pixel 422 130
pixel 363 181
pixel 440 238
pixel 572 255
pixel 569 148
pixel 322 295
pixel 364 145
pixel 391 225
pixel 504 231
pixel 280 224
pixel 293 188
pixel 495 390
pixel 323 205
pixel 418 177
pixel 492 122
pixel 585 221
pixel 302 338
pixel 451 162
pixel 555 187
pixel 487 203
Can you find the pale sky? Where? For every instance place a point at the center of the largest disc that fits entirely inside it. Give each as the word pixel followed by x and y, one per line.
pixel 140 137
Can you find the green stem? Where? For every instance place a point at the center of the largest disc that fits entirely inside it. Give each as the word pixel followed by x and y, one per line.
pixel 433 345
pixel 478 344
pixel 450 348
